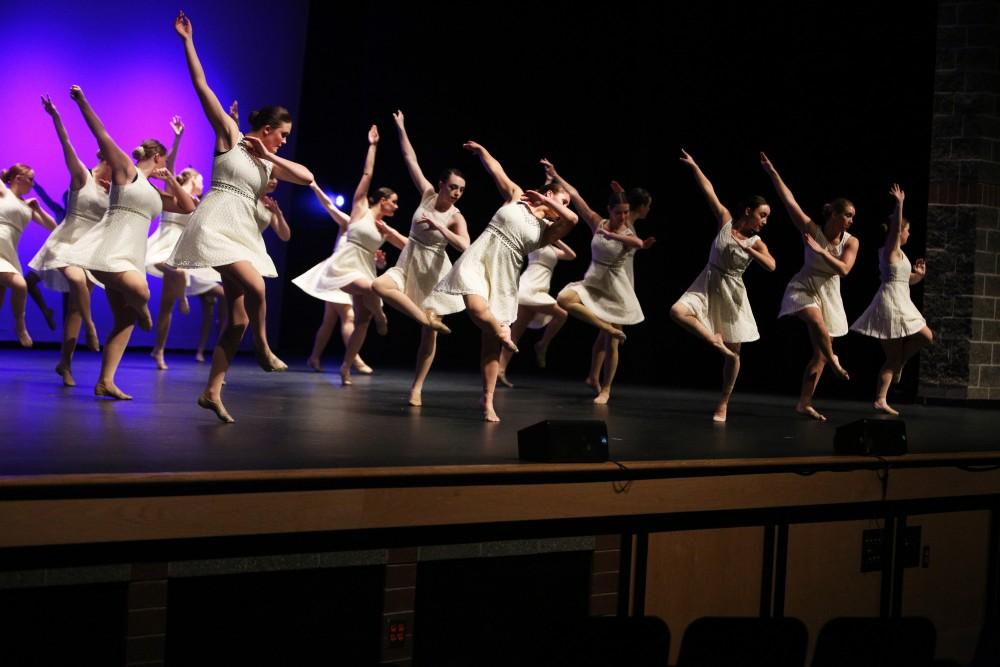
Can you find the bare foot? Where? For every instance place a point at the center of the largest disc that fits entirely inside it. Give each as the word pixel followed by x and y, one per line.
pixel 434 322
pixel 145 319
pixel 110 391
pixel 415 398
pixel 540 351
pixel 361 367
pixel 199 356
pixel 881 405
pixel 810 411
pixel 23 338
pixel 66 376
pixel 345 377
pixel 184 306
pixel 217 407
pixel 381 323
pixel 502 379
pixel 50 319
pixel 719 416
pixel 270 363
pixel 158 357
pixel 93 340
pixel 838 370
pixel 720 345
pixel 594 383
pixel 489 414
pixel 602 398
pixel 505 339
pixel 314 364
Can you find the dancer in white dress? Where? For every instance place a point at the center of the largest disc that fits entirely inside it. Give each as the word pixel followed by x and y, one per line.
pixel 88 200
pixel 606 296
pixel 536 308
pixel 409 285
pixel 352 266
pixel 715 307
pixel 223 233
pixel 891 317
pixel 337 304
pixel 114 249
pixel 486 274
pixel 813 294
pixel 15 214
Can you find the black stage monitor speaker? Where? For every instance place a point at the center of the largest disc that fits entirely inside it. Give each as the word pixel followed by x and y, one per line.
pixel 564 441
pixel 871 437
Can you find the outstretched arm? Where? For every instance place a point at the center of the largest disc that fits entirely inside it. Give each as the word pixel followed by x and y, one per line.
pixel 423 186
pixel 801 221
pixel 509 190
pixel 359 205
pixel 591 217
pixel 77 169
pixel 721 213
pixel 226 131
pixel 122 169
pixel 338 216
pixel 178 127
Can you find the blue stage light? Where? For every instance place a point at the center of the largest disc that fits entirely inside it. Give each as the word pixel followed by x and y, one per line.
pixel 338 201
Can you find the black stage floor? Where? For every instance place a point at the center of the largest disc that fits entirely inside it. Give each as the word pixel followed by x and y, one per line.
pixel 305 420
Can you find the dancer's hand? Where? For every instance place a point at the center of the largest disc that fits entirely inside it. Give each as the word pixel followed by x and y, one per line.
pixel 897 193
pixel 49 107
pixel 256 147
pixel 234 111
pixel 162 174
pixel 550 170
pixel 473 147
pixel 603 231
pixel 811 241
pixel 429 223
pixel 380 262
pixel 382 228
pixel 398 117
pixel 182 24
pixel 648 242
pixel 105 184
pixel 373 135
pixel 33 204
pixel 920 267
pixel 766 164
pixel 177 125
pixel 535 198
pixel 76 94
pixel 687 159
pixel 616 187
pixel 270 204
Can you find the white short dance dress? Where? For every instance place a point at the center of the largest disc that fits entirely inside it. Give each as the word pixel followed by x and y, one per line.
pixel 718 297
pixel 225 228
pixel 891 314
pixel 817 285
pixel 117 242
pixel 14 217
pixel 424 261
pixel 608 287
pixel 84 209
pixel 533 287
pixel 160 245
pixel 490 266
pixel 353 258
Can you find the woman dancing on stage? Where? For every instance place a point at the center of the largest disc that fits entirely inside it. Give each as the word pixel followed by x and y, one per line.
pixel 715 307
pixel 486 274
pixel 223 233
pixel 15 213
pixel 813 294
pixel 88 200
pixel 605 297
pixel 338 304
pixel 536 309
pixel 891 317
pixel 114 249
pixel 352 266
pixel 409 285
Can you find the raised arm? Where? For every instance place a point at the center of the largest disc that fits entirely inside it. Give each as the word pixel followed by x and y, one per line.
pixel 509 190
pixel 801 221
pixel 721 213
pixel 226 131
pixel 892 245
pixel 234 112
pixel 423 186
pixel 359 205
pixel 559 228
pixel 590 216
pixel 563 251
pixel 338 216
pixel 278 222
pixel 122 169
pixel 178 127
pixel 77 169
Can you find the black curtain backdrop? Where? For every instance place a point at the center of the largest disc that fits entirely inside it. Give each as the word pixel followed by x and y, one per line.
pixel 838 94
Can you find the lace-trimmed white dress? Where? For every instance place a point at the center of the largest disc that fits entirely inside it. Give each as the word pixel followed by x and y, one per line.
pixel 817 285
pixel 608 287
pixel 424 261
pixel 84 209
pixel 353 258
pixel 490 266
pixel 533 287
pixel 224 228
pixel 118 242
pixel 14 217
pixel 718 297
pixel 160 246
pixel 891 313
